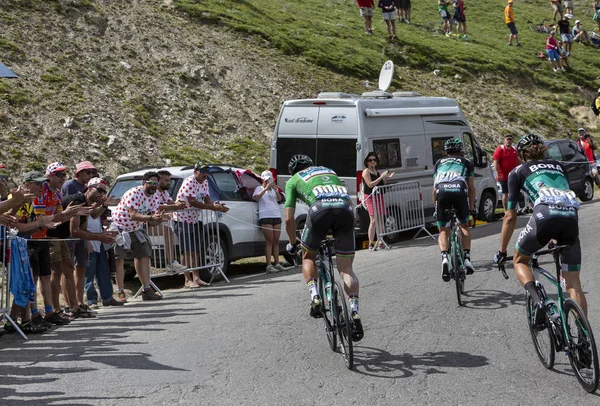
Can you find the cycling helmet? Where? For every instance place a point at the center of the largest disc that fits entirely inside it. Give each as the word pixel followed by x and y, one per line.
pixel 453 145
pixel 528 140
pixel 298 162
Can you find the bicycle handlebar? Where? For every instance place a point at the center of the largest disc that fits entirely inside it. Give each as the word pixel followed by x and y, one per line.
pixel 551 250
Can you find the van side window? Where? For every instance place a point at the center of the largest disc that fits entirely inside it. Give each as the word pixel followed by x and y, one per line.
pixel 437 148
pixel 468 147
pixel 388 152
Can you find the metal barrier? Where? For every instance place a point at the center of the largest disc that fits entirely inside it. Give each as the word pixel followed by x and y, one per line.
pixel 184 247
pixel 398 207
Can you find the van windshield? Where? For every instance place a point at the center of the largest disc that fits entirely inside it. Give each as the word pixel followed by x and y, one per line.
pixel 338 154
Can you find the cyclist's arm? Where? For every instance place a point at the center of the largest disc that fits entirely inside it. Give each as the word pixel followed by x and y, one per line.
pixel 290 224
pixel 510 217
pixel 472 191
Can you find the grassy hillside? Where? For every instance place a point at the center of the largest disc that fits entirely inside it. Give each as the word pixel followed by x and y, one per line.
pixel 132 83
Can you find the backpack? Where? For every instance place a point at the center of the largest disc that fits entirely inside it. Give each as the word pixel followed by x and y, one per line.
pixel 594 108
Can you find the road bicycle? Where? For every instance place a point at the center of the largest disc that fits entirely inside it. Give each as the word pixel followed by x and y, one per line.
pixel 565 329
pixel 456 255
pixel 336 314
pixel 541 27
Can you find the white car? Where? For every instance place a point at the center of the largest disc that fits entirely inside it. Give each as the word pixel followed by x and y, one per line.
pixel 239 234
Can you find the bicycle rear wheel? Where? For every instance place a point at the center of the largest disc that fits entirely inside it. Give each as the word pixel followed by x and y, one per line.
pixel 458 274
pixel 344 325
pixel 543 340
pixel 328 313
pixel 582 352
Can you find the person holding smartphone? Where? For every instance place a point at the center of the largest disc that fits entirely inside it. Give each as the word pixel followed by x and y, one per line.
pixel 268 197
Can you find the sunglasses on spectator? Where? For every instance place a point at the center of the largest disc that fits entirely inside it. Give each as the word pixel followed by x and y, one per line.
pixel 372 160
pixel 101 191
pixel 93 173
pixel 203 170
pixel 151 183
pixel 60 174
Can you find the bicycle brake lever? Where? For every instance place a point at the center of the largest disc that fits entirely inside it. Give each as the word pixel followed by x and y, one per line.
pixel 503 270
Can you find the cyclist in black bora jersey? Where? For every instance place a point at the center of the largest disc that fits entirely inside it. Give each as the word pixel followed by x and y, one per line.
pixel 330 209
pixel 554 217
pixel 453 186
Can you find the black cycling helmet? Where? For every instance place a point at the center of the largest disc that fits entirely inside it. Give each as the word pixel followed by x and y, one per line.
pixel 453 145
pixel 528 140
pixel 298 162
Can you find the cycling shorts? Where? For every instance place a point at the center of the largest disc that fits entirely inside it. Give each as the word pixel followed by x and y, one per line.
pixel 550 222
pixel 451 194
pixel 330 214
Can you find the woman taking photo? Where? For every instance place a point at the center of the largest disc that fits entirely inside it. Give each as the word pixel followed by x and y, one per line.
pixel 269 219
pixel 371 178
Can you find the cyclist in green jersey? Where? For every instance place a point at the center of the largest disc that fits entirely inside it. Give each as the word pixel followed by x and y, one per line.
pixel 555 217
pixel 453 186
pixel 330 209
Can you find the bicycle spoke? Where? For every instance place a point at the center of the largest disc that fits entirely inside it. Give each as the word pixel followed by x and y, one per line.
pixel 582 351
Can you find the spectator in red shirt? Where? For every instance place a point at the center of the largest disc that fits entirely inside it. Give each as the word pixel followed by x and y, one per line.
pixel 587 145
pixel 506 159
pixel 366 12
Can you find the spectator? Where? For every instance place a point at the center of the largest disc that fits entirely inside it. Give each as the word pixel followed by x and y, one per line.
pixel 597 103
pixel 84 171
pixel 404 8
pixel 597 13
pixel 509 17
pixel 506 159
pixel 569 7
pixel 388 8
pixel 195 193
pixel 564 26
pixel 588 146
pixel 371 178
pixel 553 54
pixel 443 10
pixel 579 34
pixel 460 18
pixel 138 206
pixel 89 230
pixel 366 12
pixel 557 9
pixel 269 219
pixel 564 55
pixel 166 203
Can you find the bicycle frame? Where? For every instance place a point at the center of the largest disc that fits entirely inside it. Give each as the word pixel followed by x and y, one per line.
pixel 455 241
pixel 326 255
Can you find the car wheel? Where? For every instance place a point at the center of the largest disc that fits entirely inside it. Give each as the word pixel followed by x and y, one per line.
pixel 588 191
pixel 216 253
pixel 295 259
pixel 392 222
pixel 487 207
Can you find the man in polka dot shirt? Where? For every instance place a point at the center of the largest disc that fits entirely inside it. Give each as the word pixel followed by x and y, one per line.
pixel 137 206
pixel 188 222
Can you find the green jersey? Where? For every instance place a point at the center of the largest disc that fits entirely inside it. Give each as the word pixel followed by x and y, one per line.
pixel 312 184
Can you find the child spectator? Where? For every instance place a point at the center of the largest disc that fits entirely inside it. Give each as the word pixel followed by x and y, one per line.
pixel 564 26
pixel 564 55
pixel 443 10
pixel 552 52
pixel 579 34
pixel 366 12
pixel 460 19
pixel 388 7
pixel 509 17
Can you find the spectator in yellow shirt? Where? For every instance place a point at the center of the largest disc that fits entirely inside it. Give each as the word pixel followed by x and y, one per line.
pixel 509 17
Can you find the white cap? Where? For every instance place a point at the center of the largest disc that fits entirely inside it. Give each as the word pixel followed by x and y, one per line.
pixel 577 21
pixel 267 175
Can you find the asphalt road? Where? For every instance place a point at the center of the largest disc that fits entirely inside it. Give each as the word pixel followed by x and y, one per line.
pixel 252 342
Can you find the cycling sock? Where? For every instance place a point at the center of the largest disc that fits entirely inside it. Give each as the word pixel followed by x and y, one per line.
pixel 34 311
pixel 467 254
pixel 312 288
pixel 47 309
pixel 444 254
pixel 353 299
pixel 530 287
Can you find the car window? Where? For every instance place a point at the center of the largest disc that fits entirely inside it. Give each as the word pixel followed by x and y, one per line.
pixel 568 150
pixel 228 187
pixel 122 186
pixel 250 183
pixel 553 152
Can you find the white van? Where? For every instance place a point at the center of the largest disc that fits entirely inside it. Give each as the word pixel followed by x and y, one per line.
pixel 407 130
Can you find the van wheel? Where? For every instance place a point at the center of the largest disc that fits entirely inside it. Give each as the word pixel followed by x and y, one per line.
pixel 216 253
pixel 588 191
pixel 391 224
pixel 295 260
pixel 487 207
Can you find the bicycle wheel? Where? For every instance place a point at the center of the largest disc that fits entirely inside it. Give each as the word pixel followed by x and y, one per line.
pixel 582 352
pixel 543 340
pixel 457 272
pixel 328 312
pixel 533 28
pixel 344 325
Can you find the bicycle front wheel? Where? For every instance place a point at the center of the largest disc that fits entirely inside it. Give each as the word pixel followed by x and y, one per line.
pixel 328 312
pixel 344 325
pixel 543 340
pixel 582 352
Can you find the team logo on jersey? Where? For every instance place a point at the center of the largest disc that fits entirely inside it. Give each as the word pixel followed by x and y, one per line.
pixel 535 167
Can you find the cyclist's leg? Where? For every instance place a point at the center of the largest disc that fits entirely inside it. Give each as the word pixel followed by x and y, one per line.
pixel 571 265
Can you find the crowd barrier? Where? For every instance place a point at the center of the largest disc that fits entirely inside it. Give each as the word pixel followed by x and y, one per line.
pixel 10 243
pixel 398 207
